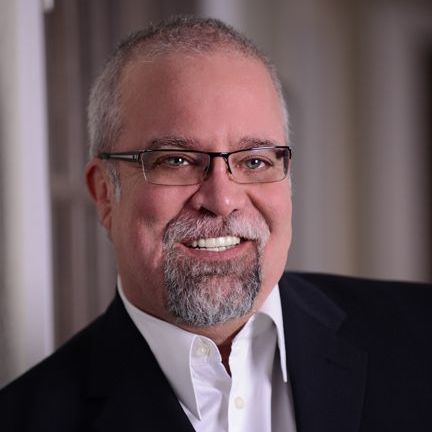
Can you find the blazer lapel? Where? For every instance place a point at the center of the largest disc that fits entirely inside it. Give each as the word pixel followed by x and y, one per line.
pixel 327 374
pixel 142 405
pixel 126 386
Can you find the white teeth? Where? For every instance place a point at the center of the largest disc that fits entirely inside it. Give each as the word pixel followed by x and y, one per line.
pixel 211 243
pixel 216 244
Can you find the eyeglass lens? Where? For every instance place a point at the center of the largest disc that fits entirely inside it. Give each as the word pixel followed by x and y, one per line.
pixel 179 167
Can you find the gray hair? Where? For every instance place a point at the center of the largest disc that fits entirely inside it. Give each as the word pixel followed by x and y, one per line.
pixel 186 34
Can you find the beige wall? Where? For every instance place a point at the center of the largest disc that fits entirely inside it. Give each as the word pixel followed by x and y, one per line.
pixel 352 70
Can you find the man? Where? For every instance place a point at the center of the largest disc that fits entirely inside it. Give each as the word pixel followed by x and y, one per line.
pixel 190 177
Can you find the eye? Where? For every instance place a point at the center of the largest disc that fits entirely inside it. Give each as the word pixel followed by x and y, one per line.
pixel 174 161
pixel 254 163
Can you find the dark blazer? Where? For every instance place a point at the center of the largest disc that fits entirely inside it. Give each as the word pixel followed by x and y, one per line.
pixel 358 352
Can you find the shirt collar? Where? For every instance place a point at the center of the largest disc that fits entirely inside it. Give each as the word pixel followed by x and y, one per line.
pixel 272 307
pixel 161 336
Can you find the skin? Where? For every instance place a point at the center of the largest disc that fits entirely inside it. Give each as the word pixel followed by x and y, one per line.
pixel 218 100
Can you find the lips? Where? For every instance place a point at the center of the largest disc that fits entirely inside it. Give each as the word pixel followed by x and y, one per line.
pixel 215 244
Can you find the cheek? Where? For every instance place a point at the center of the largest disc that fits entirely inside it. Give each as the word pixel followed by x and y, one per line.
pixel 276 209
pixel 145 220
pixel 280 234
pixel 274 204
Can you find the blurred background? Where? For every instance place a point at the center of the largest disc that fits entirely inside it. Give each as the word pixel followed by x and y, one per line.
pixel 358 81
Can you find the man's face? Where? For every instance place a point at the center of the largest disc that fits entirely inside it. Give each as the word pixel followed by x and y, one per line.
pixel 215 102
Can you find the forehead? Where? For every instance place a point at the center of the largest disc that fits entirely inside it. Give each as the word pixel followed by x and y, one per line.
pixel 212 98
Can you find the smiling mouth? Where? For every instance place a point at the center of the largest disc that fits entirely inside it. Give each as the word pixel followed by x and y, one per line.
pixel 215 244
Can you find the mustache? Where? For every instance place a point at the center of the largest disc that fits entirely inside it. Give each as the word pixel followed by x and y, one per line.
pixel 185 228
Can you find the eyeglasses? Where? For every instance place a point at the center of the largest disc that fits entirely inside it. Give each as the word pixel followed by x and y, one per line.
pixel 179 167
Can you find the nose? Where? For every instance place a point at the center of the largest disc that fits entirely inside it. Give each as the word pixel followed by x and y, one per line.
pixel 218 194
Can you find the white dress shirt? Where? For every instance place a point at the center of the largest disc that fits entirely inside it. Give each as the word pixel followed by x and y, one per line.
pixel 255 398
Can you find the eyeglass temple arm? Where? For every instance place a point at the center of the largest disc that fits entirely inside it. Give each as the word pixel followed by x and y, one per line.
pixel 120 156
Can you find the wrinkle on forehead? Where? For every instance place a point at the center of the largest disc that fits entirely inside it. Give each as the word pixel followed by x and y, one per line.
pixel 178 98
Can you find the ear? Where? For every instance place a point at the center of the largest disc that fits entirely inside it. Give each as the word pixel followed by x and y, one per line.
pixel 101 191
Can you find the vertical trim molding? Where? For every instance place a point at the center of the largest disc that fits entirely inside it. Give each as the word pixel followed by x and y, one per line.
pixel 26 288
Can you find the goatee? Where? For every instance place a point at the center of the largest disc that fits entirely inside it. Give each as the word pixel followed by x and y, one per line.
pixel 202 293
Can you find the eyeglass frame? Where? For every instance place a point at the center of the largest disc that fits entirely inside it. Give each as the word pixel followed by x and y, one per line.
pixel 135 156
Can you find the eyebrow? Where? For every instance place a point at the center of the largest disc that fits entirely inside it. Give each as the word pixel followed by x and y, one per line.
pixel 193 144
pixel 172 142
pixel 248 142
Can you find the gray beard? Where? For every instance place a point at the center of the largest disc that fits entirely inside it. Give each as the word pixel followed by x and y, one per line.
pixel 201 293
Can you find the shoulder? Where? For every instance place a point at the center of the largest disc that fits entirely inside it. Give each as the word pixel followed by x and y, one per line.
pixel 371 309
pixel 353 293
pixel 66 391
pixel 55 388
pixel 331 282
pixel 62 368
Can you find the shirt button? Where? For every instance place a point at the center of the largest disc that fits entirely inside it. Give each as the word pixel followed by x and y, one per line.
pixel 203 349
pixel 239 402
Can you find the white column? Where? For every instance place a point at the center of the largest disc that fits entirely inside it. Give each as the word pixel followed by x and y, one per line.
pixel 26 285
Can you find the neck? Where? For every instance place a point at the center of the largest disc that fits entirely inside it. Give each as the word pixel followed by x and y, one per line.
pixel 225 351
pixel 221 334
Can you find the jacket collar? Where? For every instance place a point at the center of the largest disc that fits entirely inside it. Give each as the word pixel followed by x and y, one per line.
pixel 327 374
pixel 125 382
